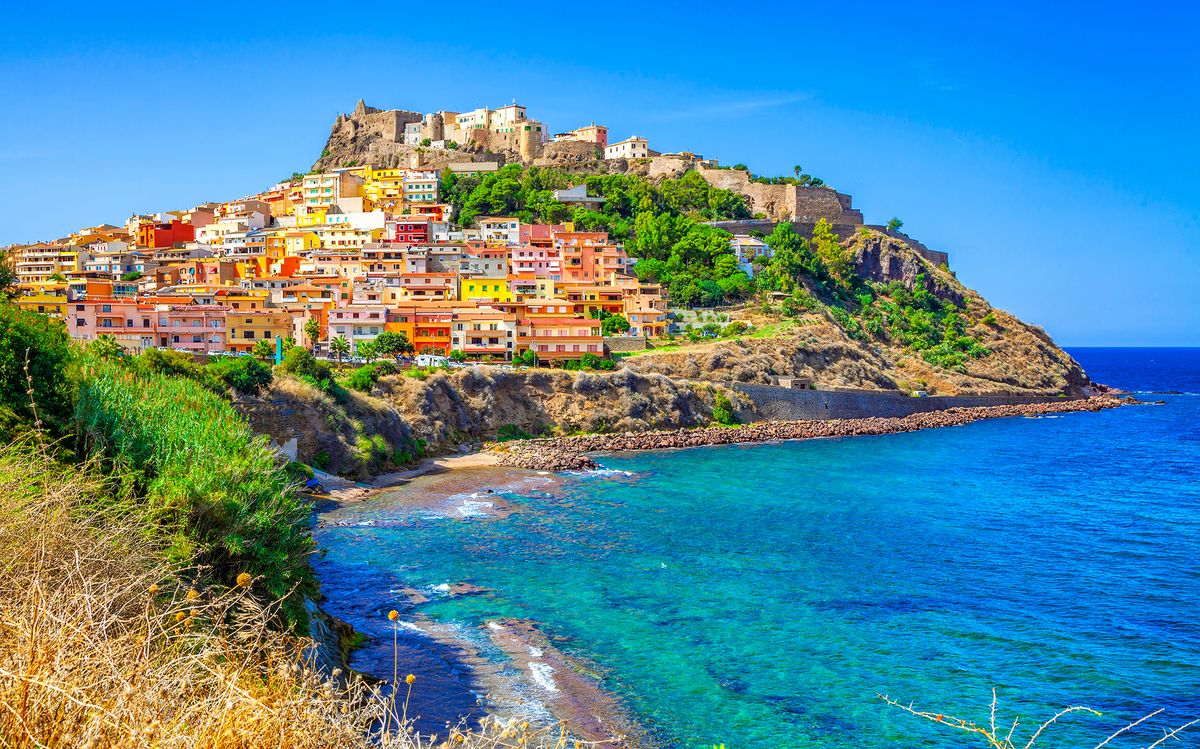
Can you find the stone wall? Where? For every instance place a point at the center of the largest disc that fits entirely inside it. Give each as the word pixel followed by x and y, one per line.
pixel 786 202
pixel 787 404
pixel 624 344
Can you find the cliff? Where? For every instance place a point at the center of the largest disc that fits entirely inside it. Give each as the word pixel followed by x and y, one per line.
pixel 362 435
pixel 1022 358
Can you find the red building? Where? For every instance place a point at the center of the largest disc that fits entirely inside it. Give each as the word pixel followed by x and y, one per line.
pixel 165 235
pixel 412 229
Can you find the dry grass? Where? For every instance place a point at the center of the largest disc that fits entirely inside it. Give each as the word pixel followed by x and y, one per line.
pixel 102 645
pixel 999 736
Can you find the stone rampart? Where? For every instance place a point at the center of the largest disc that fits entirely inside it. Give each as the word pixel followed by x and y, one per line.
pixel 788 404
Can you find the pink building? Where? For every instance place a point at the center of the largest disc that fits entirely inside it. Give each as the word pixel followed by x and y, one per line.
pixel 198 328
pixel 132 324
pixel 540 261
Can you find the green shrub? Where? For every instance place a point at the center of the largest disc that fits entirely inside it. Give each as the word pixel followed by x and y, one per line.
pixel 167 362
pixel 320 461
pixel 723 410
pixel 215 493
pixel 737 327
pixel 298 472
pixel 362 378
pixel 242 373
pixel 508 432
pixel 43 343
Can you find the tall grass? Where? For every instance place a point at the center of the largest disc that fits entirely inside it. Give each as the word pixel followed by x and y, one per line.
pixel 215 492
pixel 106 644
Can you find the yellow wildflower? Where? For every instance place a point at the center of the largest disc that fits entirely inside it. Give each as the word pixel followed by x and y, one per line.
pixel 243 580
pixel 393 615
pixel 410 679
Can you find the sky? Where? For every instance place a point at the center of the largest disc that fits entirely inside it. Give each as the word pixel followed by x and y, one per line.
pixel 1051 148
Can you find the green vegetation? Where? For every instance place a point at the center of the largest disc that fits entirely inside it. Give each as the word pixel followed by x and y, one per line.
pixel 364 378
pixel 8 275
pixel 242 373
pixel 527 358
pixel 34 356
pixel 392 344
pixel 340 348
pixel 660 224
pixel 217 495
pixel 590 361
pixel 723 410
pixel 508 432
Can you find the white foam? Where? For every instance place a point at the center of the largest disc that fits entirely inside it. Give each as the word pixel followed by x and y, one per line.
pixel 474 508
pixel 535 652
pixel 543 676
pixel 442 588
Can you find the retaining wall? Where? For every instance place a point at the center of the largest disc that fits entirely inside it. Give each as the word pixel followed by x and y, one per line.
pixel 787 404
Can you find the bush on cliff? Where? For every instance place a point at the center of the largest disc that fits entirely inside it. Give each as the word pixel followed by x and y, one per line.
pixel 242 373
pixel 214 493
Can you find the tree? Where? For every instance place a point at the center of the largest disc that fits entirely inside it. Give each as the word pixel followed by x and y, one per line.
pixel 106 347
pixel 368 350
pixel 263 349
pixel 8 274
pixel 894 224
pixel 392 344
pixel 244 374
pixel 527 358
pixel 132 275
pixel 312 331
pixel 614 324
pixel 797 170
pixel 36 346
pixel 458 355
pixel 339 347
pixel 833 256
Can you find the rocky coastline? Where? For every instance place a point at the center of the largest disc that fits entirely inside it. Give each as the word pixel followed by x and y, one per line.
pixel 571 453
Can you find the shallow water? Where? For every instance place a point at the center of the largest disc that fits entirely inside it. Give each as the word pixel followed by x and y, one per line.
pixel 761 596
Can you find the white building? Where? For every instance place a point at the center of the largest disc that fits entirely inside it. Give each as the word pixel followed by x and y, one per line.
pixel 746 248
pixel 630 148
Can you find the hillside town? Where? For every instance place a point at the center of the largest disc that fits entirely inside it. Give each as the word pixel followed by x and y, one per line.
pixel 347 253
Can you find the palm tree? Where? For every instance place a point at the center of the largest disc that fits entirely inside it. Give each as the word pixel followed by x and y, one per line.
pixel 797 169
pixel 312 330
pixel 339 347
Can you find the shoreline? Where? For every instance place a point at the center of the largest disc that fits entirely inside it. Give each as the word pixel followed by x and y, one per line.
pixel 572 453
pixel 549 680
pixel 535 680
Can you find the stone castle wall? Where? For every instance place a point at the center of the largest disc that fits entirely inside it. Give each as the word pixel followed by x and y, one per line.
pixel 788 404
pixel 786 202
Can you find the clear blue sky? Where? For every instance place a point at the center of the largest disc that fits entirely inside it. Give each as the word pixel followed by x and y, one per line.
pixel 1052 150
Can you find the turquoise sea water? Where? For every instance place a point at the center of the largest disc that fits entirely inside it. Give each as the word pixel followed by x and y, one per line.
pixel 760 596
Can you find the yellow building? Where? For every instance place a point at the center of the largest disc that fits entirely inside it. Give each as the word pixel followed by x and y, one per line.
pixel 484 290
pixel 248 327
pixel 47 297
pixel 243 299
pixel 297 242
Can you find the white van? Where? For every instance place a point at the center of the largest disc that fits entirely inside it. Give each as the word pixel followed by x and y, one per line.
pixel 430 360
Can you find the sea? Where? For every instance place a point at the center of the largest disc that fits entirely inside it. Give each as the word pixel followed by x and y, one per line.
pixel 768 595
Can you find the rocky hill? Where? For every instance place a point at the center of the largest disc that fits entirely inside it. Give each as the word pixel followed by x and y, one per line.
pixel 365 434
pixel 1021 358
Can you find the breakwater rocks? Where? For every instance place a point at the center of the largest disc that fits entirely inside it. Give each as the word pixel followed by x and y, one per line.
pixel 570 453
